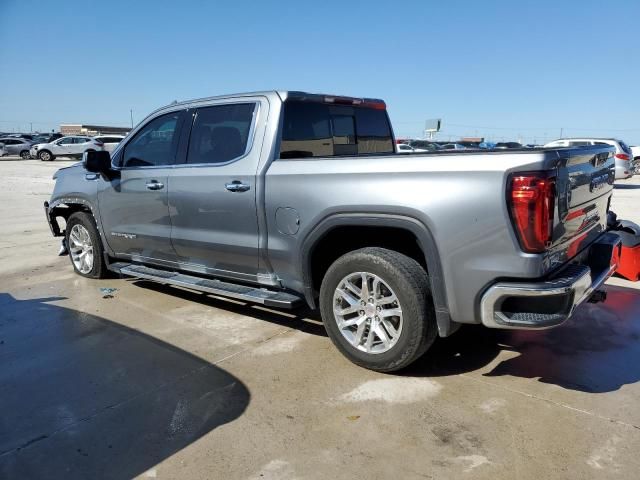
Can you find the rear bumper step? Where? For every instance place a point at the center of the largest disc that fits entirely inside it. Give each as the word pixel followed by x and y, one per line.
pixel 548 303
pixel 268 298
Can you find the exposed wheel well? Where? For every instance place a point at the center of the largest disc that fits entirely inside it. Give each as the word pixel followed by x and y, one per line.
pixel 64 211
pixel 343 239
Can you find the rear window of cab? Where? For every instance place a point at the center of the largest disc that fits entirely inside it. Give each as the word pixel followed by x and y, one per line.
pixel 313 129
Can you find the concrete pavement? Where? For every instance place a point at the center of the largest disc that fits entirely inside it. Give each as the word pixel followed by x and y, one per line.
pixel 161 382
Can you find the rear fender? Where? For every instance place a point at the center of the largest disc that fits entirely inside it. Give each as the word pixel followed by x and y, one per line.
pixel 425 240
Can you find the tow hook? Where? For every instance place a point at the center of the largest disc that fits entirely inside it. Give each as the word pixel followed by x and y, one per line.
pixel 64 250
pixel 598 296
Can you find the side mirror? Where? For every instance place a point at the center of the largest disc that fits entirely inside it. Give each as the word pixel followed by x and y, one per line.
pixel 96 162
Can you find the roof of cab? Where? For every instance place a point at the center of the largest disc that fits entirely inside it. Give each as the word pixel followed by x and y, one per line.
pixel 281 94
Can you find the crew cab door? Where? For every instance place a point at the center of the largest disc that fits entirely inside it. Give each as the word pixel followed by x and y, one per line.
pixel 212 196
pixel 134 203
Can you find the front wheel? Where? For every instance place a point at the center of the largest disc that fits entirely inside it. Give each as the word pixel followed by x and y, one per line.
pixel 45 156
pixel 85 247
pixel 377 308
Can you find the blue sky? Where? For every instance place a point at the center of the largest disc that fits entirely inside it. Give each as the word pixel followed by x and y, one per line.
pixel 509 69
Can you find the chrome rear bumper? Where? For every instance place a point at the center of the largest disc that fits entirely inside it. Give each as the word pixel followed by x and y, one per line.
pixel 548 303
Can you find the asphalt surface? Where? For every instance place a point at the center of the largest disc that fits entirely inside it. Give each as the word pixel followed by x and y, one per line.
pixel 160 382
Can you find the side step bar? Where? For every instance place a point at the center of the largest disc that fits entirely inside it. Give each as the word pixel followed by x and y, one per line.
pixel 268 298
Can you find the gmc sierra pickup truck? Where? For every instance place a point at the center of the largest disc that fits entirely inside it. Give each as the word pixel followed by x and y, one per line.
pixel 290 198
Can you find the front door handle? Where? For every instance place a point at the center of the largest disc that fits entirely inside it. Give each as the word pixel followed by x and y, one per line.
pixel 237 186
pixel 154 185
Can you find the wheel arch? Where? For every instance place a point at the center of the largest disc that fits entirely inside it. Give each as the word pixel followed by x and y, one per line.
pixel 382 225
pixel 63 208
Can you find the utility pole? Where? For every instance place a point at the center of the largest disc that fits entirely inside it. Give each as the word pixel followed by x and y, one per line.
pixel 30 127
pixel 561 129
pixel 131 112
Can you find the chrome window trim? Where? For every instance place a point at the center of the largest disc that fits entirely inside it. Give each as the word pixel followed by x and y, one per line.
pixel 248 149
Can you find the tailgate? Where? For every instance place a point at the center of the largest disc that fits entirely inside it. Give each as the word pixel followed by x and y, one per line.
pixel 584 185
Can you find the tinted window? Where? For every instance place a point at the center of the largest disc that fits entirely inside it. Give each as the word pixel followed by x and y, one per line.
pixel 80 140
pixel 306 131
pixel 220 133
pixel 154 144
pixel 579 143
pixel 320 130
pixel 66 141
pixel 625 148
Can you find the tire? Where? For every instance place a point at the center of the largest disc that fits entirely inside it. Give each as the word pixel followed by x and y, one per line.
pixel 408 335
pixel 25 155
pixel 82 236
pixel 46 156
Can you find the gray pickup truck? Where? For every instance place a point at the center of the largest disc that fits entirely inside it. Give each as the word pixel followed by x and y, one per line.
pixel 290 198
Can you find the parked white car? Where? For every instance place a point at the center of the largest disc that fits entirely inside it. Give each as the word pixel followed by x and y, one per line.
pixel 624 157
pixel 72 146
pixel 110 141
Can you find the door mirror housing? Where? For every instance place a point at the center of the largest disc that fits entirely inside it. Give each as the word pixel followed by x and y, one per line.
pixel 96 162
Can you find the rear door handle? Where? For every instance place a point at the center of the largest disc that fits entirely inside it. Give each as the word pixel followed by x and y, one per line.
pixel 154 185
pixel 237 186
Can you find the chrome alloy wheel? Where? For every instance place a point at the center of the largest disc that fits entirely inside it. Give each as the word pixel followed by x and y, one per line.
pixel 81 248
pixel 368 313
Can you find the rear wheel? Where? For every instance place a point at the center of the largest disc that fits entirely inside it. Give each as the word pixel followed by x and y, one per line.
pixel 377 309
pixel 85 247
pixel 25 155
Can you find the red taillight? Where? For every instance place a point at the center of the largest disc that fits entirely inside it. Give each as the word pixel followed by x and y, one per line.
pixel 531 200
pixel 622 156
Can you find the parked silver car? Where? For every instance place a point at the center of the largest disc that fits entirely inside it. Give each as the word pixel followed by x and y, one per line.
pixel 16 146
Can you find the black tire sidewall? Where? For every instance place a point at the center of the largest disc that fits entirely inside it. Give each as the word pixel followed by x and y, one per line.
pixel 86 220
pixel 414 304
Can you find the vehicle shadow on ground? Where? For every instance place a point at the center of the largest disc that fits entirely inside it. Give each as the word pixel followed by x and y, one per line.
pixel 596 351
pixel 302 318
pixel 84 397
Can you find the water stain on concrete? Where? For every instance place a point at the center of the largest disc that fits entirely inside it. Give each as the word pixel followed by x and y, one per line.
pixel 472 461
pixel 492 405
pixel 275 470
pixel 604 457
pixel 279 344
pixel 394 390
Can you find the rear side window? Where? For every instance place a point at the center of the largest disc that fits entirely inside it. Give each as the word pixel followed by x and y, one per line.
pixel 155 144
pixel 321 130
pixel 220 133
pixel 624 147
pixel 579 143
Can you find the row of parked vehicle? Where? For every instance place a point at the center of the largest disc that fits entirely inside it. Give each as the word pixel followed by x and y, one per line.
pixel 48 147
pixel 627 158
